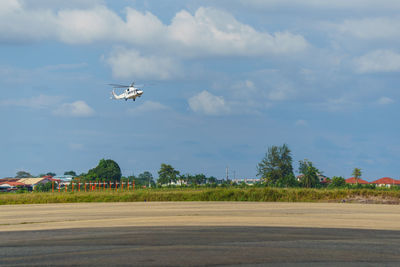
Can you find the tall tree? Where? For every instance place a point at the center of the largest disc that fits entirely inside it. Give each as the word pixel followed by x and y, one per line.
pixel 309 174
pixel 167 174
pixel 357 174
pixel 23 174
pixel 146 179
pixel 105 170
pixel 276 166
pixel 337 181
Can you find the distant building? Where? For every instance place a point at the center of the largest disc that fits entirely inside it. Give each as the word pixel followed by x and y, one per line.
pixel 63 178
pixel 10 186
pixel 322 178
pixel 248 181
pixel 353 180
pixel 386 182
pixel 33 182
pixel 9 180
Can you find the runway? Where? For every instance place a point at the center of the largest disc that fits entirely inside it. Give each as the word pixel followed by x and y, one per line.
pixel 200 233
pixel 194 246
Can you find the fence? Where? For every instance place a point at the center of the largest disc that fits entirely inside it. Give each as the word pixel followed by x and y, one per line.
pixel 93 186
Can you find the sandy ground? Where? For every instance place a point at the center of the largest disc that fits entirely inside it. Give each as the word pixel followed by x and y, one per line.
pixel 92 215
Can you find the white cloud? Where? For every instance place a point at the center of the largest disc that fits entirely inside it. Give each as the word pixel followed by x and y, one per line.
pixel 214 32
pixel 75 109
pixel 384 100
pixel 9 6
pixel 87 25
pixel 143 28
pixel 371 28
pixel 148 106
pixel 61 3
pixel 337 4
pixel 128 63
pixel 378 61
pixel 36 102
pixel 208 31
pixel 209 104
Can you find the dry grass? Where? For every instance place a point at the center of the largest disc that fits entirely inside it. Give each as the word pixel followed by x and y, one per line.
pixel 209 194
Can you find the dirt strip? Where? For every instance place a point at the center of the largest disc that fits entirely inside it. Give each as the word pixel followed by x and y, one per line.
pixel 80 215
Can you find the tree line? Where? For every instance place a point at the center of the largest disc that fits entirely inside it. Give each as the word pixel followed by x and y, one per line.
pixel 276 169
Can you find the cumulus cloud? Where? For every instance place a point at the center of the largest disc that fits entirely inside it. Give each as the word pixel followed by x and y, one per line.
pixel 75 109
pixel 215 32
pixel 208 104
pixel 87 25
pixel 378 61
pixel 127 63
pixel 370 28
pixel 208 31
pixel 36 102
pixel 337 4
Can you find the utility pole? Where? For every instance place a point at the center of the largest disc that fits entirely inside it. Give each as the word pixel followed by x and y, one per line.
pixel 227 173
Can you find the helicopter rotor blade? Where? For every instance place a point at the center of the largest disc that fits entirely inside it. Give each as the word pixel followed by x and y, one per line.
pixel 118 85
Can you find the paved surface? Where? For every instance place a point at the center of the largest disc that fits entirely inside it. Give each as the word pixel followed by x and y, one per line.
pixel 87 215
pixel 200 233
pixel 193 245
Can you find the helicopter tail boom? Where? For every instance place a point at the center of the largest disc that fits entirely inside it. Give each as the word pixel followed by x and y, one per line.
pixel 114 95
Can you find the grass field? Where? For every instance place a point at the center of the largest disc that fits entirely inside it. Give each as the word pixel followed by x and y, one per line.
pixel 210 194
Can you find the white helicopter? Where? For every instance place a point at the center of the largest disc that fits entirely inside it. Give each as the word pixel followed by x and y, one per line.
pixel 131 92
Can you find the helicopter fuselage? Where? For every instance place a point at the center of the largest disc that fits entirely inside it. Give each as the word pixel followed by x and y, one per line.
pixel 129 93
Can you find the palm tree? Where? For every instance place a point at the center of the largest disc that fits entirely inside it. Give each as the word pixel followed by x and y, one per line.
pixel 357 174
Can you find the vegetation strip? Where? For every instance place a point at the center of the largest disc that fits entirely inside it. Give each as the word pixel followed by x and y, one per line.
pixel 266 194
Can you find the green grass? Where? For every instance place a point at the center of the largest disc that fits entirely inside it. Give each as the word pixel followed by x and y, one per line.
pixel 208 194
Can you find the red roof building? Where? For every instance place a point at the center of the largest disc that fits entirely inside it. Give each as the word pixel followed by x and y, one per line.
pixel 386 181
pixel 12 183
pixel 353 180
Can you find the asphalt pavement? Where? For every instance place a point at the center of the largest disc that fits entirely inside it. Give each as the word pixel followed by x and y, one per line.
pixel 200 246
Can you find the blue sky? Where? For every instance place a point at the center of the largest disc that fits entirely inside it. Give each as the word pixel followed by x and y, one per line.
pixel 228 79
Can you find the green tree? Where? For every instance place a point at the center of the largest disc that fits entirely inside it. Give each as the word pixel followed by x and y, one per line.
pixel 337 181
pixel 200 179
pixel 72 173
pixel 357 174
pixel 106 170
pixel 167 174
pixel 212 180
pixel 276 166
pixel 145 179
pixel 309 174
pixel 47 187
pixel 287 181
pixel 23 174
pixel 52 174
